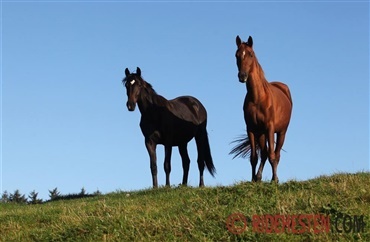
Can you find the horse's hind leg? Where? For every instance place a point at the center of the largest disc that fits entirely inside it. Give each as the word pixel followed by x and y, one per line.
pixel 253 157
pixel 264 154
pixel 167 163
pixel 200 160
pixel 279 144
pixel 183 150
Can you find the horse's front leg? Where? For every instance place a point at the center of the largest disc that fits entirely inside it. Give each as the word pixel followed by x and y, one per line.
pixel 151 147
pixel 167 162
pixel 264 154
pixel 253 157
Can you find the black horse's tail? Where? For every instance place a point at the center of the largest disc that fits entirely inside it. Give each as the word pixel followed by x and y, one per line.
pixel 203 140
pixel 242 148
pixel 207 157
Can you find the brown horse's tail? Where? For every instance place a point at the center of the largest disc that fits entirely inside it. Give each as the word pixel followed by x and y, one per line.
pixel 242 148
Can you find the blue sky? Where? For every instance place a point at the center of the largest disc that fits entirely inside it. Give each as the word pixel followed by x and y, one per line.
pixel 63 114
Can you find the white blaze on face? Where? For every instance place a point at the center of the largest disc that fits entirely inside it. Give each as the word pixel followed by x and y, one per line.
pixel 243 54
pixel 132 82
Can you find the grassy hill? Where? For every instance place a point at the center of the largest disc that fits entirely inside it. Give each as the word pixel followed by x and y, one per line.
pixel 200 214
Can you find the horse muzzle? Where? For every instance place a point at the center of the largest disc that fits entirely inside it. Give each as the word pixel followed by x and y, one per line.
pixel 243 77
pixel 130 106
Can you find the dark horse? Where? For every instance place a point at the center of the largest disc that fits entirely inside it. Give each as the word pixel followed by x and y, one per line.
pixel 267 110
pixel 170 123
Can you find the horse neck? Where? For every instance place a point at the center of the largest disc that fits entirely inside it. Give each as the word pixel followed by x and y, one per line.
pixel 149 100
pixel 257 83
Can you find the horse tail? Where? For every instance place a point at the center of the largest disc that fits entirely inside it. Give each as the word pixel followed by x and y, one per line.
pixel 242 148
pixel 207 156
pixel 203 143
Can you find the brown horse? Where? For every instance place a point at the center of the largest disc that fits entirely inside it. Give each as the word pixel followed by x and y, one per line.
pixel 267 110
pixel 170 123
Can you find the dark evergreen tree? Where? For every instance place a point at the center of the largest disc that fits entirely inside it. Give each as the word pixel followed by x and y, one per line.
pixel 83 192
pixel 17 197
pixel 97 193
pixel 33 198
pixel 54 194
pixel 5 197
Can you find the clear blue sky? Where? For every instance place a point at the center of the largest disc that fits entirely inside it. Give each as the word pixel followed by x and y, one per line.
pixel 63 114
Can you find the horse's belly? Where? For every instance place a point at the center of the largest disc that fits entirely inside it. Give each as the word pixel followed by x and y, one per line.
pixel 177 134
pixel 282 118
pixel 257 121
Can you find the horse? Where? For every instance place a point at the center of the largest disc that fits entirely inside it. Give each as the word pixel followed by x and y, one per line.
pixel 169 123
pixel 267 110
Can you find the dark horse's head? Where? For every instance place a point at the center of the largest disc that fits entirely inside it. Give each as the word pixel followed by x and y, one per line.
pixel 133 83
pixel 244 58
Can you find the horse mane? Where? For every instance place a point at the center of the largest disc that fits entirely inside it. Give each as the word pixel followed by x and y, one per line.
pixel 151 95
pixel 259 71
pixel 147 86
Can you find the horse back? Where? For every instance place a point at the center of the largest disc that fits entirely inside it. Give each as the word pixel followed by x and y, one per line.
pixel 188 108
pixel 283 88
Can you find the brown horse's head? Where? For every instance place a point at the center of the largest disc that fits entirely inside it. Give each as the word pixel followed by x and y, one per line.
pixel 244 58
pixel 133 84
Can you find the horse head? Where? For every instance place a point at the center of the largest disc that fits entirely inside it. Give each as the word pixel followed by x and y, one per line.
pixel 244 58
pixel 133 84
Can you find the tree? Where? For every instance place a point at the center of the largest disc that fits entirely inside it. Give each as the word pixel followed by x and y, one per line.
pixel 5 197
pixel 33 198
pixel 54 194
pixel 97 193
pixel 17 197
pixel 83 192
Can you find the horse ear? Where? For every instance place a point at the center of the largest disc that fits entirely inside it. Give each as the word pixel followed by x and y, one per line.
pixel 127 72
pixel 250 41
pixel 238 41
pixel 138 71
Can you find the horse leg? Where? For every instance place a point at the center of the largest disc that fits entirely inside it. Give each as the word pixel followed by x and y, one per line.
pixel 183 150
pixel 151 147
pixel 263 147
pixel 279 144
pixel 167 163
pixel 271 143
pixel 271 151
pixel 200 160
pixel 253 157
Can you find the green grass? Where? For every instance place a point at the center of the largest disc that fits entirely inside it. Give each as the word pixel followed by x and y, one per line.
pixel 191 214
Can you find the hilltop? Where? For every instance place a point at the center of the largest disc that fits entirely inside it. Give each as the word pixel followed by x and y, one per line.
pixel 201 214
